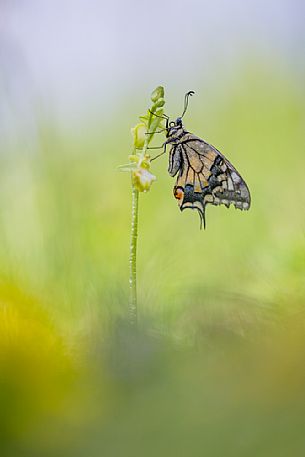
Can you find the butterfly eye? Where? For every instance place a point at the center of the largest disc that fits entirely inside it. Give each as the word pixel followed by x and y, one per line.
pixel 178 193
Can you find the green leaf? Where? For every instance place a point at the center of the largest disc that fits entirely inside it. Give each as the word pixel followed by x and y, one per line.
pixel 144 119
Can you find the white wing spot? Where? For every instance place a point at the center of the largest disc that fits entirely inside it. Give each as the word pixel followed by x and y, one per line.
pixel 230 184
pixel 235 177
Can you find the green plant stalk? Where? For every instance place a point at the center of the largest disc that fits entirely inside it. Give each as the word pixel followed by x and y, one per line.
pixel 141 181
pixel 133 298
pixel 133 302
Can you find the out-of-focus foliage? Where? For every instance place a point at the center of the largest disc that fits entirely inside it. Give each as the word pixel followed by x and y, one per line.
pixel 218 365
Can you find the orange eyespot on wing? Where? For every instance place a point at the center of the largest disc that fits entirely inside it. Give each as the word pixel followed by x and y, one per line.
pixel 178 193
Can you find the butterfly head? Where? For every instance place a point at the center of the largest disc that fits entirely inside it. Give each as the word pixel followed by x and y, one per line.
pixel 174 127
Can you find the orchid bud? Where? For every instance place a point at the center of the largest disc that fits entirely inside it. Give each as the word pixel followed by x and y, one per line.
pixel 139 135
pixel 158 104
pixel 157 93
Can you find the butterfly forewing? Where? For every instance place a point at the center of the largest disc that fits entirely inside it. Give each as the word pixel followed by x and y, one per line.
pixel 204 175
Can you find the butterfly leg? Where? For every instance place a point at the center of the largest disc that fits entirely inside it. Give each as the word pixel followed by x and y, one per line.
pixel 152 147
pixel 156 147
pixel 161 154
pixel 164 116
pixel 157 131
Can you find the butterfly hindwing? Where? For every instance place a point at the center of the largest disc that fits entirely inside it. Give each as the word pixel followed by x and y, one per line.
pixel 205 176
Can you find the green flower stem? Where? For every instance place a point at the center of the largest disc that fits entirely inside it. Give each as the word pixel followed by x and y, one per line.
pixel 133 299
pixel 145 146
pixel 141 181
pixel 133 302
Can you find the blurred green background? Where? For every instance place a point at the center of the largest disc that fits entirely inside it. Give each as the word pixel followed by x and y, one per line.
pixel 217 366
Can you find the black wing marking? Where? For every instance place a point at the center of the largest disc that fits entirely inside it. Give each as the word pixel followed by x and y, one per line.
pixel 205 176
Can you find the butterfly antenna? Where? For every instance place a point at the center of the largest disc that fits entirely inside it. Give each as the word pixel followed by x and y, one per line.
pixel 186 101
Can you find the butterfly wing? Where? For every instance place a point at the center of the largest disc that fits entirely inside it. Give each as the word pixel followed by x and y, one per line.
pixel 205 176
